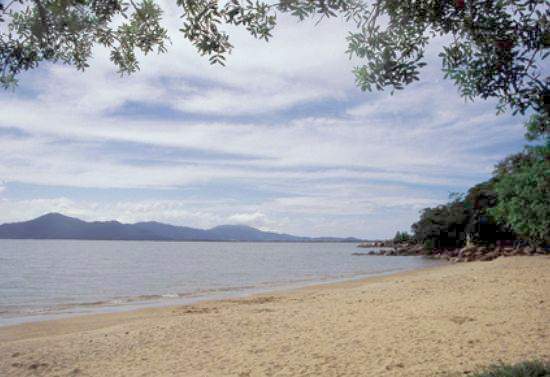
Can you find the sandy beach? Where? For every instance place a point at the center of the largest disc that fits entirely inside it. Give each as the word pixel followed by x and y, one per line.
pixel 441 321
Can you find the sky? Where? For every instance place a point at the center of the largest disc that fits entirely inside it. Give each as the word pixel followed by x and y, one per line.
pixel 280 139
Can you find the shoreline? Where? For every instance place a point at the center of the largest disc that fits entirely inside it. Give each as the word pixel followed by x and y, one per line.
pixel 424 322
pixel 132 304
pixel 136 303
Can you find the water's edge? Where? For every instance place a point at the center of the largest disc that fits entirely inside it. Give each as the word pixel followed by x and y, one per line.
pixel 47 280
pixel 134 304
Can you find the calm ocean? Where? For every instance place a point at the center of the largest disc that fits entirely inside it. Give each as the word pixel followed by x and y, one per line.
pixel 43 279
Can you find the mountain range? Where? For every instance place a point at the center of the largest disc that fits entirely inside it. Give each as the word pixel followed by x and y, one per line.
pixel 58 226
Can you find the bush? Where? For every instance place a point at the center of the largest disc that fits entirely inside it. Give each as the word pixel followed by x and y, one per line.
pixel 524 369
pixel 443 226
pixel 523 191
pixel 482 227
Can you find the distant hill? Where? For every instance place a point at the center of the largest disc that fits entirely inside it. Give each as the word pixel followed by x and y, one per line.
pixel 58 226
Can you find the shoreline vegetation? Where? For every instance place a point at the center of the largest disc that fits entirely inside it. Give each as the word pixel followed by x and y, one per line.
pixel 442 321
pixel 507 215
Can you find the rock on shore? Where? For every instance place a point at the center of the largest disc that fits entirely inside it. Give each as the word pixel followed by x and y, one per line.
pixel 466 254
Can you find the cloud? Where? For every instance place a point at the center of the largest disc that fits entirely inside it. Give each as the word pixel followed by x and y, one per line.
pixel 297 215
pixel 235 102
pixel 409 152
pixel 19 210
pixel 255 219
pixel 174 212
pixel 280 138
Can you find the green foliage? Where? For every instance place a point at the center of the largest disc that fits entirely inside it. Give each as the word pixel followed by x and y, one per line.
pixel 202 20
pixel 67 30
pixel 524 369
pixel 496 48
pixel 33 31
pixel 482 227
pixel 513 204
pixel 523 191
pixel 443 226
pixel 538 127
pixel 402 237
pixel 469 216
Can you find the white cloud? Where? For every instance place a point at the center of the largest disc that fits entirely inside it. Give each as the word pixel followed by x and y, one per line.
pixel 20 210
pixel 296 66
pixel 70 165
pixel 238 102
pixel 340 174
pixel 298 215
pixel 407 152
pixel 247 218
pixel 255 219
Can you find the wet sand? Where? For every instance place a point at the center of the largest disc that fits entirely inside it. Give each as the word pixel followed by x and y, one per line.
pixel 441 321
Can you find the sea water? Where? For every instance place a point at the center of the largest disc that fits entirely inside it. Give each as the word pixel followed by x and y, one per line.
pixel 43 279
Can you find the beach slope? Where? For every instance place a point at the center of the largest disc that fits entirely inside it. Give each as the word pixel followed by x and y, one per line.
pixel 432 322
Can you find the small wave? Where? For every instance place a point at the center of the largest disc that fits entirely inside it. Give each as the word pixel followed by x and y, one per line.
pixel 189 295
pixel 223 289
pixel 94 303
pixel 139 298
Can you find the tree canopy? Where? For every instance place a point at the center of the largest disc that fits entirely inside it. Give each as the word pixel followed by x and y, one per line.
pixel 494 48
pixel 513 204
pixel 443 226
pixel 522 185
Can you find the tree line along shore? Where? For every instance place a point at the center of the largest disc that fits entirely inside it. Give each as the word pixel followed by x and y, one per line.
pixel 507 215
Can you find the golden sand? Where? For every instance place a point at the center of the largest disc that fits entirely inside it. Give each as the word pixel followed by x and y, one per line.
pixel 448 319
